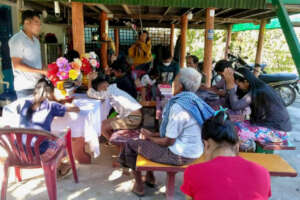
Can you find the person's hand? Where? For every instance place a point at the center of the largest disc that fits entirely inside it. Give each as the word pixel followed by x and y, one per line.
pixel 229 78
pixel 146 133
pixel 44 72
pixel 221 93
pixel 107 71
pixel 92 75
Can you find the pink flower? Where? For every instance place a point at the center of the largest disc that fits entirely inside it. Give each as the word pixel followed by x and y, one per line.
pixel 61 62
pixel 94 63
pixel 63 75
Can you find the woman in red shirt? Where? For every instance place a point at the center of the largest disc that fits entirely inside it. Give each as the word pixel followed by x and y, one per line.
pixel 225 175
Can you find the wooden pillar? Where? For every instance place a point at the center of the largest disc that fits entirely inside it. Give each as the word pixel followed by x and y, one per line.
pixel 228 40
pixel 78 27
pixel 117 41
pixel 261 37
pixel 172 39
pixel 184 26
pixel 209 38
pixel 103 19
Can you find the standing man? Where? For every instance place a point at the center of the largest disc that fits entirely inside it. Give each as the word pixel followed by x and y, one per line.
pixel 25 53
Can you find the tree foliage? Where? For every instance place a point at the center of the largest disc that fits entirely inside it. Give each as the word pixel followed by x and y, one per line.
pixel 276 53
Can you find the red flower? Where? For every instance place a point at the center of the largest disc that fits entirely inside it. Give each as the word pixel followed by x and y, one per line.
pixel 86 66
pixel 52 68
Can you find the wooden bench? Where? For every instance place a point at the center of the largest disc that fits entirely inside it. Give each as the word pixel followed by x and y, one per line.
pixel 276 165
pixel 276 146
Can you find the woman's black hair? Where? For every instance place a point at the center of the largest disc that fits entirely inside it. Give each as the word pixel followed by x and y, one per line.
pixel 71 55
pixel 220 129
pixel 166 53
pixel 222 64
pixel 120 65
pixel 98 81
pixel 141 32
pixel 262 95
pixel 194 58
pixel 43 90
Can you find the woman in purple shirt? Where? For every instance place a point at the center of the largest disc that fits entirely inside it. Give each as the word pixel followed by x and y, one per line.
pixel 269 119
pixel 39 112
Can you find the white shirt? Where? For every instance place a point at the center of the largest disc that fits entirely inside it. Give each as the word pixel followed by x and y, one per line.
pixel 21 46
pixel 186 131
pixel 122 102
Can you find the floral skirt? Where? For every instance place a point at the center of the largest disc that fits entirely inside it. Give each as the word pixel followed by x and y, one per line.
pixel 249 133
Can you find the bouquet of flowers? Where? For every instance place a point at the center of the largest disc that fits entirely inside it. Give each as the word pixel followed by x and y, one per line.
pixel 66 76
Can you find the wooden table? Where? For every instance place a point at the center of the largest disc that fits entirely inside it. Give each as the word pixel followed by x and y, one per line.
pixel 276 165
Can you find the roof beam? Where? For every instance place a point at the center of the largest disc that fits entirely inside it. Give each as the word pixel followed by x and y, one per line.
pixel 241 13
pixel 165 13
pixel 127 10
pixel 257 14
pixel 177 18
pixel 93 8
pixel 101 7
pixel 223 11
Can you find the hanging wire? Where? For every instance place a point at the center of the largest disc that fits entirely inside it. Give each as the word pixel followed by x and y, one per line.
pixel 140 18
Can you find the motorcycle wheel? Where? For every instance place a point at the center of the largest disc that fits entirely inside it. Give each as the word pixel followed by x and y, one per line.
pixel 287 94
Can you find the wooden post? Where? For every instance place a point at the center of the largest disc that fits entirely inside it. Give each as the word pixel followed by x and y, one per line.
pixel 209 38
pixel 117 41
pixel 103 18
pixel 172 39
pixel 184 26
pixel 78 27
pixel 261 37
pixel 228 40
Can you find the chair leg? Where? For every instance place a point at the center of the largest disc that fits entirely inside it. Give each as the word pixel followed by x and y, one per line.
pixel 4 182
pixel 70 154
pixel 170 185
pixel 50 178
pixel 18 173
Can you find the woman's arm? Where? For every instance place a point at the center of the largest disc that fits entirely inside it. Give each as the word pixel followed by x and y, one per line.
pixel 236 103
pixel 72 108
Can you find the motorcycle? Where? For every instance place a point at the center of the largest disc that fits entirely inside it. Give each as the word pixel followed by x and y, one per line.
pixel 286 84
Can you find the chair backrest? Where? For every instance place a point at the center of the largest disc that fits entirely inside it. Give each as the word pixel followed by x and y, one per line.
pixel 22 152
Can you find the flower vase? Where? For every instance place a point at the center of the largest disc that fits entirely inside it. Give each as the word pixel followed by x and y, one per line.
pixel 85 80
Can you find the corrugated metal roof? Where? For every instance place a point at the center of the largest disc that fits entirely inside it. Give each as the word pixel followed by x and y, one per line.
pixel 244 4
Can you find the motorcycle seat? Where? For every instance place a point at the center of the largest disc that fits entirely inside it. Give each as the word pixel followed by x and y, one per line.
pixel 278 77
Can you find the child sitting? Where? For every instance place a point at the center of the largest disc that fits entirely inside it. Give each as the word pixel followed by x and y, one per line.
pixel 39 112
pixel 130 115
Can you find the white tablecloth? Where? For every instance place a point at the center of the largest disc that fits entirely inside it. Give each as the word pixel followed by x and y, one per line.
pixel 86 123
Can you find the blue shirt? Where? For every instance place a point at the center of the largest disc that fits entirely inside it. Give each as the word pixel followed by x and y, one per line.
pixel 43 116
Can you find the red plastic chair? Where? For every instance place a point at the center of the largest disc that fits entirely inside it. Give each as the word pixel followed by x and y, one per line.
pixel 22 155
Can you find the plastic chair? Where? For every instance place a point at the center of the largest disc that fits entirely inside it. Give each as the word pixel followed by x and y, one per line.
pixel 24 155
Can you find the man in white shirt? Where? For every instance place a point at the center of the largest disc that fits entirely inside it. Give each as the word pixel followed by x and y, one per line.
pixel 128 109
pixel 25 53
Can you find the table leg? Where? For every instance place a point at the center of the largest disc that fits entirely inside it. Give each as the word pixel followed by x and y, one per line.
pixel 170 185
pixel 80 155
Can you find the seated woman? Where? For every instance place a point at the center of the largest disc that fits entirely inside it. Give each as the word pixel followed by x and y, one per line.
pixel 236 100
pixel 224 175
pixel 129 110
pixel 39 112
pixel 269 119
pixel 179 141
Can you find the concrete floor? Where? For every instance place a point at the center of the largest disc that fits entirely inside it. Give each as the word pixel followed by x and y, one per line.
pixel 100 181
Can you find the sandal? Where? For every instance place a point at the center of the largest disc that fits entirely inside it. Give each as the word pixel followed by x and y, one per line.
pixel 138 193
pixel 64 169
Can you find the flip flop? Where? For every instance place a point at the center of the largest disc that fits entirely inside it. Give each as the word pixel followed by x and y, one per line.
pixel 138 194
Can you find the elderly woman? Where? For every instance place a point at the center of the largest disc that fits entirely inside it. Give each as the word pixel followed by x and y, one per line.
pixel 179 141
